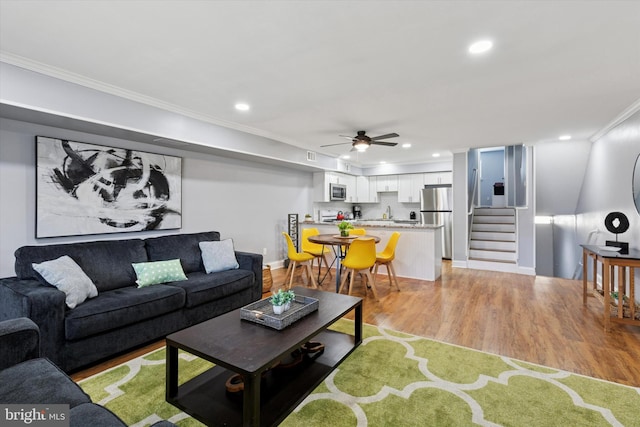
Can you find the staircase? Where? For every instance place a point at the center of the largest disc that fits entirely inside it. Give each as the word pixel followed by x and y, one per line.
pixel 493 244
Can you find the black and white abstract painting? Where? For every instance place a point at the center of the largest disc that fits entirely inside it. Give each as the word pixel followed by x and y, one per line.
pixel 92 189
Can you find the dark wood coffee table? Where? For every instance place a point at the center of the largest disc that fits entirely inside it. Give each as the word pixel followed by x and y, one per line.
pixel 250 349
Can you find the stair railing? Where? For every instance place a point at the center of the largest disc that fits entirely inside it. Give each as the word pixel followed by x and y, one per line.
pixel 472 204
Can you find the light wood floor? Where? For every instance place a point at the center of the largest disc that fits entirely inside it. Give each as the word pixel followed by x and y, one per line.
pixel 535 319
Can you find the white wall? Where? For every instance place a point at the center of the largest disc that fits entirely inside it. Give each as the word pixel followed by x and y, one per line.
pixel 607 185
pixel 560 168
pixel 244 200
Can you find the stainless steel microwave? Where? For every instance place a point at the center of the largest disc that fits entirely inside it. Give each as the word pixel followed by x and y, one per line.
pixel 337 192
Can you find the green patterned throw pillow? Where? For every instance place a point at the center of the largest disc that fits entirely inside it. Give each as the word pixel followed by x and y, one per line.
pixel 153 273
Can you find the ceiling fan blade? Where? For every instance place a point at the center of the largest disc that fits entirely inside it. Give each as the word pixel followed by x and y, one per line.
pixel 389 135
pixel 331 145
pixel 388 144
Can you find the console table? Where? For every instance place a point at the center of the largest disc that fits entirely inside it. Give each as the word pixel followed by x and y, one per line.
pixel 624 310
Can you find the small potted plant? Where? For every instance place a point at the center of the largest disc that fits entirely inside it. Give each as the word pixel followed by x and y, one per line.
pixel 289 296
pixel 307 218
pixel 344 228
pixel 278 301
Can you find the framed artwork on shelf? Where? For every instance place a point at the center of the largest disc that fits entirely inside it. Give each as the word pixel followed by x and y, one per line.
pixel 84 189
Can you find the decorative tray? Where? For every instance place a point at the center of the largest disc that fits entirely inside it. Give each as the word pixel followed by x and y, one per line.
pixel 262 312
pixel 337 236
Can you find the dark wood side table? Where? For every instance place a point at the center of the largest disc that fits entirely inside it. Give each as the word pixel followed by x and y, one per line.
pixel 612 261
pixel 250 349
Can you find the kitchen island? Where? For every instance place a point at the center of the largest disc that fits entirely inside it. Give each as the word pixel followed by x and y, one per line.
pixel 419 250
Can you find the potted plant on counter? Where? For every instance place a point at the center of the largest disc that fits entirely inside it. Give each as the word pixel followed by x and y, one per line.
pixel 344 228
pixel 308 218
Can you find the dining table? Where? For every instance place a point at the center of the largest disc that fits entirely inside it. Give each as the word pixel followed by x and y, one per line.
pixel 340 246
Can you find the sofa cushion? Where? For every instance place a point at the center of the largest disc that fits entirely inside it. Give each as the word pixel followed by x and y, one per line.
pixel 90 414
pixel 156 272
pixel 107 263
pixel 67 276
pixel 218 256
pixel 120 307
pixel 39 381
pixel 182 246
pixel 202 287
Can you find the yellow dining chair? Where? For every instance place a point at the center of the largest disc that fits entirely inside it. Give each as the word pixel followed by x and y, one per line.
pixel 355 232
pixel 296 257
pixel 318 251
pixel 360 258
pixel 386 258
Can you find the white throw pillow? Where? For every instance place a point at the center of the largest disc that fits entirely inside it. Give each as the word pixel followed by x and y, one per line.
pixel 67 276
pixel 218 256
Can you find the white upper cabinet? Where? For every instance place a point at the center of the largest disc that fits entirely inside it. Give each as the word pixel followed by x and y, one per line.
pixel 321 181
pixel 409 187
pixel 350 182
pixel 386 183
pixel 433 178
pixel 366 190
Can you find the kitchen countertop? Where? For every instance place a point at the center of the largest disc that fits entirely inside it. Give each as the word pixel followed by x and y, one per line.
pixel 380 223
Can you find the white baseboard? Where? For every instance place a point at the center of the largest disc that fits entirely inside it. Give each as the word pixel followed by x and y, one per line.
pixel 458 264
pixel 527 271
pixel 276 264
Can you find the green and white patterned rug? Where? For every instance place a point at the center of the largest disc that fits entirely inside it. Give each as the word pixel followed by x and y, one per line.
pixel 396 379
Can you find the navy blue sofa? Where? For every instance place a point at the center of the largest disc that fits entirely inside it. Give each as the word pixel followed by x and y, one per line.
pixel 124 316
pixel 27 378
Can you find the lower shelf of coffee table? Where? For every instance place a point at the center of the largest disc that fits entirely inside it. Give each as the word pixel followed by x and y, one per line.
pixel 206 399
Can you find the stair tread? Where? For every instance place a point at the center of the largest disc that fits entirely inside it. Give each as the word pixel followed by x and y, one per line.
pixel 505 261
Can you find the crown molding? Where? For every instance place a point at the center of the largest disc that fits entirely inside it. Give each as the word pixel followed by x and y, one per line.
pixel 628 112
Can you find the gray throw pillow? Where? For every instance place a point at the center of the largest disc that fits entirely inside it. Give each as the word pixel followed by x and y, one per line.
pixel 218 256
pixel 67 276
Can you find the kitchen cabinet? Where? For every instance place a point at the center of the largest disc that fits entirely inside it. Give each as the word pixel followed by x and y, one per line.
pixel 366 190
pixel 409 187
pixel 418 253
pixel 350 182
pixel 434 178
pixel 321 181
pixel 386 183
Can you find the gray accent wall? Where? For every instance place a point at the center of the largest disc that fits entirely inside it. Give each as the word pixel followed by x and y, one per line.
pixel 243 200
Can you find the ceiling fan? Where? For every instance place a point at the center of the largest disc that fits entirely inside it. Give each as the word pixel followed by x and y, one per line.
pixel 361 141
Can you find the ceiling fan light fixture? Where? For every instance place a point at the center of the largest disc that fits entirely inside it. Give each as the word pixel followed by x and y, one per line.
pixel 361 146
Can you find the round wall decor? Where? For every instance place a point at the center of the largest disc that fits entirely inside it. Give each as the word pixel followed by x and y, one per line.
pixel 616 222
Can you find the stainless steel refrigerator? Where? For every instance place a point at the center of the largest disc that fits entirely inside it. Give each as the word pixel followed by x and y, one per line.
pixel 435 208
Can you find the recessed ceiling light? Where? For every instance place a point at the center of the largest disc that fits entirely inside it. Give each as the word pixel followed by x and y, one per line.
pixel 383 162
pixel 346 156
pixel 406 145
pixel 241 106
pixel 564 137
pixel 480 46
pixel 435 155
